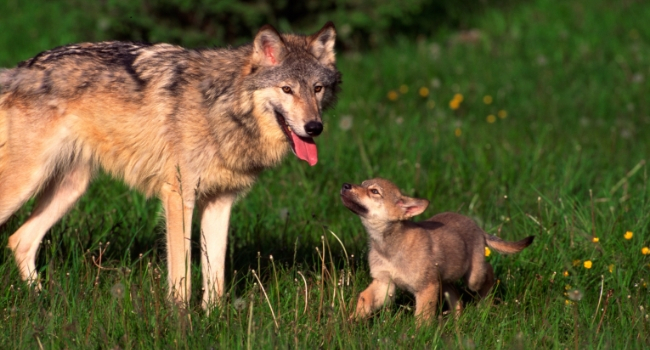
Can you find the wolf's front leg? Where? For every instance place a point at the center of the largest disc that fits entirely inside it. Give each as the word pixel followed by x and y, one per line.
pixel 450 294
pixel 215 217
pixel 426 301
pixel 378 293
pixel 178 212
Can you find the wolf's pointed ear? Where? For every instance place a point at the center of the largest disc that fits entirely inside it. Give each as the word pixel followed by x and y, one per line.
pixel 268 47
pixel 412 206
pixel 321 44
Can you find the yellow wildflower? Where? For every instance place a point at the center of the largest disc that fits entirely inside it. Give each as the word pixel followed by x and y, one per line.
pixel 565 273
pixel 403 89
pixel 502 114
pixel 595 239
pixel 628 235
pixel 458 132
pixel 568 302
pixel 424 92
pixel 611 268
pixel 392 95
pixel 487 251
pixel 487 99
pixel 587 264
pixel 567 287
pixel 455 102
pixel 491 118
pixel 645 251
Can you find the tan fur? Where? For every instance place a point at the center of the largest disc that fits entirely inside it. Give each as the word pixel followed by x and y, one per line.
pixel 193 127
pixel 426 257
pixel 4 131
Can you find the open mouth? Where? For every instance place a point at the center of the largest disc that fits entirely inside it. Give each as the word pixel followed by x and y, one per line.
pixel 303 147
pixel 353 205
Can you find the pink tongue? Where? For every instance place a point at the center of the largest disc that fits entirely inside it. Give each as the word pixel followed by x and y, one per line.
pixel 305 148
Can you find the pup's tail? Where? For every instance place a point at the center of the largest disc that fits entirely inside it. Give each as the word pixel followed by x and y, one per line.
pixel 505 247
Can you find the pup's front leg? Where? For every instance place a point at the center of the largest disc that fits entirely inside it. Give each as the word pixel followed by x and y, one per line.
pixel 378 293
pixel 426 301
pixel 215 216
pixel 178 212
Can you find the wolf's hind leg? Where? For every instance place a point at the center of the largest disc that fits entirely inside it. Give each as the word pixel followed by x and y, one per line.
pixel 477 273
pixel 488 282
pixel 55 200
pixel 18 183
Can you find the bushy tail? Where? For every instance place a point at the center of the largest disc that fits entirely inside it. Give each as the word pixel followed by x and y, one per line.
pixel 505 247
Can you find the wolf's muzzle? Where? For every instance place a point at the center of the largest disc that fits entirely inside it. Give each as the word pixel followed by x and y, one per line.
pixel 314 128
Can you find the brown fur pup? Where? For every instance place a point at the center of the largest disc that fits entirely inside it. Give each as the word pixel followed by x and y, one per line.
pixel 425 257
pixel 193 127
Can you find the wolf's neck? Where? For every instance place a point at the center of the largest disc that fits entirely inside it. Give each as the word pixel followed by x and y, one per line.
pixel 379 231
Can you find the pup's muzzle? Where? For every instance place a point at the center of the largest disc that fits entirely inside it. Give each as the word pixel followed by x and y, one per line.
pixel 350 200
pixel 346 187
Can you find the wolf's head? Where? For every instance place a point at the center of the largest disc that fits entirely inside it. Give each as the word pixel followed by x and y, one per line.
pixel 378 202
pixel 293 78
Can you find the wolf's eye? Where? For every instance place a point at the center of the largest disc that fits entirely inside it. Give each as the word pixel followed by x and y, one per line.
pixel 286 89
pixel 318 89
pixel 374 191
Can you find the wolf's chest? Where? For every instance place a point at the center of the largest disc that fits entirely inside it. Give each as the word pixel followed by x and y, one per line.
pixel 405 272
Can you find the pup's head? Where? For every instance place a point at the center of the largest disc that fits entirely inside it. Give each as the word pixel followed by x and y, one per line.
pixel 379 202
pixel 293 78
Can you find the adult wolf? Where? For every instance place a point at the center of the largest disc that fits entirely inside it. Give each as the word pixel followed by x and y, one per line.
pixel 193 127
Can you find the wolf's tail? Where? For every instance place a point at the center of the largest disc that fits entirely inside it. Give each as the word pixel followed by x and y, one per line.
pixel 505 247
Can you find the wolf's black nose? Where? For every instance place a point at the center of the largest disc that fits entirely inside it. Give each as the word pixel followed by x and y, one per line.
pixel 314 128
pixel 347 186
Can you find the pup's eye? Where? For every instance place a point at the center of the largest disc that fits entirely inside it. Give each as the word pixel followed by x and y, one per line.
pixel 318 89
pixel 374 191
pixel 286 89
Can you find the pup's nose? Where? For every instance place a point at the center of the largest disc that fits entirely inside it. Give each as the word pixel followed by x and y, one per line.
pixel 346 187
pixel 314 128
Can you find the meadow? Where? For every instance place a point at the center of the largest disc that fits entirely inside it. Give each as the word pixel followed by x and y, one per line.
pixel 535 121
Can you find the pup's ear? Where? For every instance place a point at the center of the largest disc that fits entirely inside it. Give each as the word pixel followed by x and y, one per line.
pixel 413 206
pixel 321 44
pixel 268 47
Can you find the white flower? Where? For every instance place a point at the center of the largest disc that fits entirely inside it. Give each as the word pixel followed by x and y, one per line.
pixel 345 123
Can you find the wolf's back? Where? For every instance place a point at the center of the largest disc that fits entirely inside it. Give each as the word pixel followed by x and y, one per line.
pixel 506 247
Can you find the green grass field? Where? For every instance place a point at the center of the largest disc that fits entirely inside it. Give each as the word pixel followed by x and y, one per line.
pixel 550 138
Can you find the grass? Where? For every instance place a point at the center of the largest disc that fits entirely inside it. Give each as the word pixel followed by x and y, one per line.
pixel 560 152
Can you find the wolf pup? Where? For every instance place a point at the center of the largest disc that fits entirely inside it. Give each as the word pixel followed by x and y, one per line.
pixel 426 257
pixel 193 127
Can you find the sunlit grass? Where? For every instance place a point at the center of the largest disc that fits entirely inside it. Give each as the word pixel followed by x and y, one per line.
pixel 547 135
